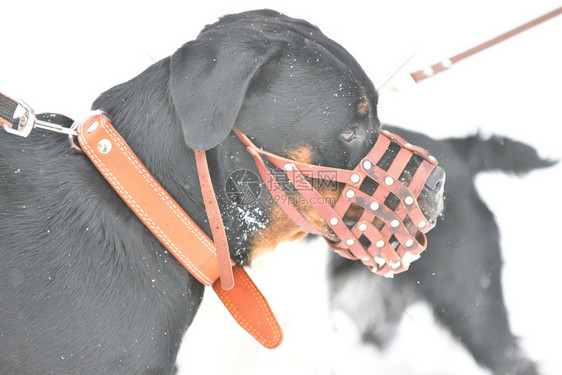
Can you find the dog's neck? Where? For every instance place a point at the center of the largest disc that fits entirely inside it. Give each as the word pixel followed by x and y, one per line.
pixel 143 113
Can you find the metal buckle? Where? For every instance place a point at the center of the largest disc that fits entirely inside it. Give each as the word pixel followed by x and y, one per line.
pixel 26 123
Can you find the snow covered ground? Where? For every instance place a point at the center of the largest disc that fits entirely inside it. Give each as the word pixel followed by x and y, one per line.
pixel 59 56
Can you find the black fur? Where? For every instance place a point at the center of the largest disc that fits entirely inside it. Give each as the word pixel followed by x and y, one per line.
pixel 84 286
pixel 459 275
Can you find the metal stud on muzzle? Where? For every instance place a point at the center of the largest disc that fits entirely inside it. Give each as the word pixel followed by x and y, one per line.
pixel 377 217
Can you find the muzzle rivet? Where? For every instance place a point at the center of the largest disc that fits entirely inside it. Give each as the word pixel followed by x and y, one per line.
pixel 395 265
pixel 379 260
pixel 288 167
pixel 409 243
pixel 422 224
pixel 93 126
pixel 362 227
pixel 355 178
pixel 409 200
pixel 380 243
pixel 374 206
pixel 432 158
pixel 350 193
pixel 350 242
pixel 394 223
pixel 388 180
pixel 104 146
pixel 367 164
pixel 334 221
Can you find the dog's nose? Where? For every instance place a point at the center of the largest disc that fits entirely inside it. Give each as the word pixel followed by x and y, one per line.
pixel 436 180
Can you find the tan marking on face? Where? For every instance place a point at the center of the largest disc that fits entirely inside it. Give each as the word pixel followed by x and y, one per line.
pixel 280 229
pixel 301 154
pixel 363 107
pixel 283 229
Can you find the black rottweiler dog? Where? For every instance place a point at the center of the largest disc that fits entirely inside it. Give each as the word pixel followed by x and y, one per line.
pixel 460 276
pixel 84 286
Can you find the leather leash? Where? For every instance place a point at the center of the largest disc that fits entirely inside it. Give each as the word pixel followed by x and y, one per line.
pixel 208 261
pixel 441 66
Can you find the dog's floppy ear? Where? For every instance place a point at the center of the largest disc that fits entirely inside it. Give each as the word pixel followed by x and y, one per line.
pixel 208 82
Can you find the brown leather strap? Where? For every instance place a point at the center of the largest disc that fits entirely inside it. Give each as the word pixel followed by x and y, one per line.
pixel 447 63
pixel 254 315
pixel 174 228
pixel 277 192
pixel 376 248
pixel 215 221
pixel 148 199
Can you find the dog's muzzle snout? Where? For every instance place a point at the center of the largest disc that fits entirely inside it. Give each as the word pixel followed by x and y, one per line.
pixel 377 217
pixel 431 198
pixel 436 180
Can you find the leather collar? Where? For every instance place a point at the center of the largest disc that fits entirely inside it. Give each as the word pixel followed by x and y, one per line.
pixel 207 260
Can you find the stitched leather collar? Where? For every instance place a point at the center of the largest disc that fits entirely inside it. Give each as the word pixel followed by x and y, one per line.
pixel 208 261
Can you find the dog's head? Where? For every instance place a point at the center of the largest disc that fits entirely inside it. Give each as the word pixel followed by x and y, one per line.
pixel 293 92
pixel 279 80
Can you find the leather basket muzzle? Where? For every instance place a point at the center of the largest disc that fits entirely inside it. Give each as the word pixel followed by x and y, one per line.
pixel 377 217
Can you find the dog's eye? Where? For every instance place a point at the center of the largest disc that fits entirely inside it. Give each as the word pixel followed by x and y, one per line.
pixel 348 134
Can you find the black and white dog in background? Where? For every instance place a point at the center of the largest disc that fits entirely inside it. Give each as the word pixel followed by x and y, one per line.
pixel 459 275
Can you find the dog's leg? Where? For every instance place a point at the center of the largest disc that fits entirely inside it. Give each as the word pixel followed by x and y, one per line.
pixel 479 320
pixel 374 304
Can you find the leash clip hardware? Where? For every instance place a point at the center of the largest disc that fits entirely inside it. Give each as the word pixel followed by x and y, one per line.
pixel 56 128
pixel 26 121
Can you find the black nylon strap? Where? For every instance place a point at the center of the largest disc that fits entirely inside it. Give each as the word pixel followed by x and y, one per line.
pixel 7 108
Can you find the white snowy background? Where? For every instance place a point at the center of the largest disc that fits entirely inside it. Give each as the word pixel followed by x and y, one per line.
pixel 58 56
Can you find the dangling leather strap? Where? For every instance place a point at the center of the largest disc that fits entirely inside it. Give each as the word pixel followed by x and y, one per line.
pixel 215 221
pixel 174 228
pixel 253 314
